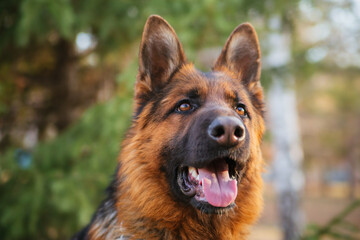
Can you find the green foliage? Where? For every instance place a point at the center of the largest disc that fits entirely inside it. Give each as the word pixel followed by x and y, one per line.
pixel 57 194
pixel 58 15
pixel 119 22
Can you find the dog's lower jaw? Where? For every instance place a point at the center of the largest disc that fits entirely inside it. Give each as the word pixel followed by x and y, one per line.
pixel 212 188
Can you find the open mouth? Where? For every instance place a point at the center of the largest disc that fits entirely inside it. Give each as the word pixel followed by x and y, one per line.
pixel 214 185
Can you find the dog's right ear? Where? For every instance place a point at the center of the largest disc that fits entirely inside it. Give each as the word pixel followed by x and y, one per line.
pixel 160 55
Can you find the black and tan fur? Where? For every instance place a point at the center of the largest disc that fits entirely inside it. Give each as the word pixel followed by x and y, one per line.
pixel 175 104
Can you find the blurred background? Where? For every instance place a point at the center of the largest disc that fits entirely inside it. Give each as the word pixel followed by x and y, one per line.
pixel 67 70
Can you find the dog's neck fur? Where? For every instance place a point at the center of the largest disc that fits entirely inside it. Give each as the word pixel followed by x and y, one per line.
pixel 195 226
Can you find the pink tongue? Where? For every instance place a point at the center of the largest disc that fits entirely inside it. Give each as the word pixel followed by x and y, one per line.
pixel 219 189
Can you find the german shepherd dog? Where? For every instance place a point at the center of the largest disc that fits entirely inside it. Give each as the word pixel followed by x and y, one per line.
pixel 190 165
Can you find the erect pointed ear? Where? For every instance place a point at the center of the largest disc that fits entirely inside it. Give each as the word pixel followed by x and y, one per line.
pixel 160 55
pixel 241 55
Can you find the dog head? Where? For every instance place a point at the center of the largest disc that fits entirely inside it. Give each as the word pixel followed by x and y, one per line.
pixel 202 129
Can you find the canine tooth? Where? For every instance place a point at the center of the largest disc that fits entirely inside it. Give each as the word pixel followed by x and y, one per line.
pixel 193 172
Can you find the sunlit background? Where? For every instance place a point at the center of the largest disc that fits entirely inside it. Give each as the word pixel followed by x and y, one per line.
pixel 67 70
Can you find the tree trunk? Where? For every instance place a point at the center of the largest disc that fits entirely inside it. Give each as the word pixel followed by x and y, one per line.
pixel 287 175
pixel 286 168
pixel 65 83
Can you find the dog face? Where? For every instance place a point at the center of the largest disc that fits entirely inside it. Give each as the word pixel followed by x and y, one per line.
pixel 204 128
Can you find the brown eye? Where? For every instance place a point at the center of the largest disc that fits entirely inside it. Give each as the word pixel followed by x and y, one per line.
pixel 184 107
pixel 241 110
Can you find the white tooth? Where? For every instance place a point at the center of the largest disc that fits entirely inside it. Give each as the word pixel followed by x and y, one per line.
pixel 193 172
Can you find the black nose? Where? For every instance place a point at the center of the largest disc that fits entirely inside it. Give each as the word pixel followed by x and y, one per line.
pixel 227 131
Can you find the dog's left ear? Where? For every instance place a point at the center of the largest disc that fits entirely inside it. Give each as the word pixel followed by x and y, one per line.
pixel 241 55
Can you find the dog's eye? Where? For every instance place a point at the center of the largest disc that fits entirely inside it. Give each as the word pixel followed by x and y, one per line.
pixel 184 107
pixel 240 109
